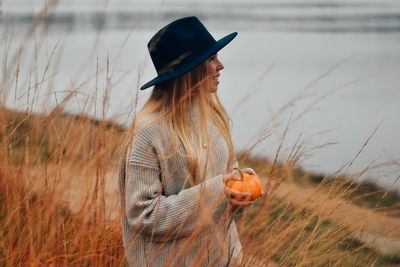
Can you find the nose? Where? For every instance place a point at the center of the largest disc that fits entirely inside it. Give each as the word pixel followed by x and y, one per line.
pixel 220 66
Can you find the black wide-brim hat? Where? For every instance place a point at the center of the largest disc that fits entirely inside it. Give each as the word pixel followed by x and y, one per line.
pixel 181 46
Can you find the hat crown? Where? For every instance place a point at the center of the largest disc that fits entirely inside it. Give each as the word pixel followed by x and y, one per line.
pixel 178 43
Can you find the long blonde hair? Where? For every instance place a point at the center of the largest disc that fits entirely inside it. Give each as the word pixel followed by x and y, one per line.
pixel 173 100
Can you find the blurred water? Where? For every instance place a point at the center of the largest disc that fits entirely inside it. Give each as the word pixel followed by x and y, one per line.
pixel 300 15
pixel 282 47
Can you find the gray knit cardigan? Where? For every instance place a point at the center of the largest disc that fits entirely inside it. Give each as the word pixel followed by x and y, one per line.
pixel 166 219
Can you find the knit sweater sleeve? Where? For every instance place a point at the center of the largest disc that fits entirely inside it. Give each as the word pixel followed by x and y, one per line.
pixel 162 217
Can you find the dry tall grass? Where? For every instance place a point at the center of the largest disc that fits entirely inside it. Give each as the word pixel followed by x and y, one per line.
pixel 45 155
pixel 37 226
pixel 48 161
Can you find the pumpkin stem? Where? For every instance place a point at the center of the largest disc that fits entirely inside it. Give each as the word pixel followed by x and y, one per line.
pixel 240 172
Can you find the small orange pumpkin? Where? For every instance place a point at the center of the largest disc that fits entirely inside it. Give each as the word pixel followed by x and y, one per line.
pixel 249 183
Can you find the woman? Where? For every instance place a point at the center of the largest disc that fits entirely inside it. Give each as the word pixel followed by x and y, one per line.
pixel 176 207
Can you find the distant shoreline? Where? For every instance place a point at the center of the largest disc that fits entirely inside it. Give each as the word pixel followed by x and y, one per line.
pixel 381 22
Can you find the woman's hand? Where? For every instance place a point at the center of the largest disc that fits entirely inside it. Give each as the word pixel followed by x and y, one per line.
pixel 237 199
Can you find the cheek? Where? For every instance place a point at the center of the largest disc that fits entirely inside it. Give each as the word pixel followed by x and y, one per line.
pixel 210 67
pixel 209 78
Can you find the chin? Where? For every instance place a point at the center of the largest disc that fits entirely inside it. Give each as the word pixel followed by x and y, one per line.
pixel 214 88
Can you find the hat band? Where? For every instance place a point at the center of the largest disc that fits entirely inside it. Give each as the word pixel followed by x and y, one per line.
pixel 182 60
pixel 171 66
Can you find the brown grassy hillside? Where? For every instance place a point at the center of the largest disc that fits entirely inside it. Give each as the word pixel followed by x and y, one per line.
pixel 58 202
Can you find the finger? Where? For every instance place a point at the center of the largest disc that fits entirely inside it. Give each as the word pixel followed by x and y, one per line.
pixel 234 176
pixel 235 202
pixel 249 171
pixel 238 197
pixel 236 194
pixel 230 193
pixel 243 196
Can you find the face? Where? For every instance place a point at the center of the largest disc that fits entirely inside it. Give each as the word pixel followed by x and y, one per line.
pixel 214 66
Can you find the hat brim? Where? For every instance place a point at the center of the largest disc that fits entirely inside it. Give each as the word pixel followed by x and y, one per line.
pixel 193 63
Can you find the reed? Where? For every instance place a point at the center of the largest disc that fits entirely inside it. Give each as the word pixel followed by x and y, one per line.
pixel 59 173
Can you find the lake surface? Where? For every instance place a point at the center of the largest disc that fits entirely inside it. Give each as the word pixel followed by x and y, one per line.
pixel 330 71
